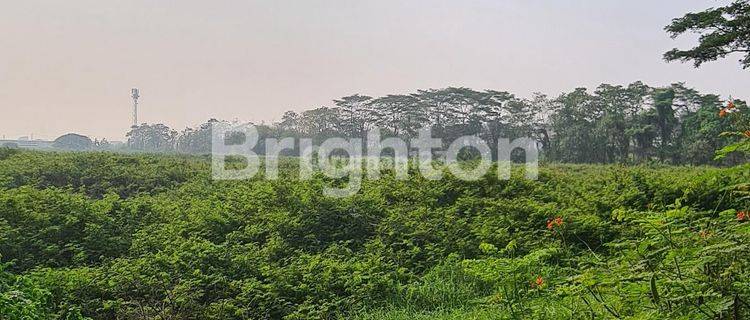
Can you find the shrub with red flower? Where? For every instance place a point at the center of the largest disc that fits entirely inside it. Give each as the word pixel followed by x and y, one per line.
pixel 723 113
pixel 742 216
pixel 728 109
pixel 538 283
pixel 738 128
pixel 556 222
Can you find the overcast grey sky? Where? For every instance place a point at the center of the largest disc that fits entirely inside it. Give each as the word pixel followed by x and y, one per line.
pixel 68 66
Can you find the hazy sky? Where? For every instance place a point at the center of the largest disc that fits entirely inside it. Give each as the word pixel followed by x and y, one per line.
pixel 68 66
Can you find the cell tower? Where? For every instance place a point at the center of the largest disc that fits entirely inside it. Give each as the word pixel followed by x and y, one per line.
pixel 135 95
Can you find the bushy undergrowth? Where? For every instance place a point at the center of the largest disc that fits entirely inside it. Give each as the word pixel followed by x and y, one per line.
pixel 108 236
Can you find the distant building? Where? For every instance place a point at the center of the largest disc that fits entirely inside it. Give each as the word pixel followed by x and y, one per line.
pixel 73 141
pixel 27 144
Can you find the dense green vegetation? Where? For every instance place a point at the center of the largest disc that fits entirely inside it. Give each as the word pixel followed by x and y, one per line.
pixel 111 236
pixel 117 236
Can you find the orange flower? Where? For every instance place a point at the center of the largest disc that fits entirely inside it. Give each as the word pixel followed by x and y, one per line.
pixel 539 281
pixel 730 105
pixel 741 216
pixel 551 223
pixel 723 113
pixel 747 133
pixel 559 221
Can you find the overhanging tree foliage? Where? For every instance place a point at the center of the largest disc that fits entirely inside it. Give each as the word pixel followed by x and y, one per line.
pixel 723 31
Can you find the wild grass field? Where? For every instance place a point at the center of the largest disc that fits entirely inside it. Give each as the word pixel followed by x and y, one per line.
pixel 113 236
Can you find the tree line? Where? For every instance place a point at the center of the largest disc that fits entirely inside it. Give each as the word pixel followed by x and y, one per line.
pixel 634 123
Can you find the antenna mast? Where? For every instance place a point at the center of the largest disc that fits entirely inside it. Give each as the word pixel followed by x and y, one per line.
pixel 135 95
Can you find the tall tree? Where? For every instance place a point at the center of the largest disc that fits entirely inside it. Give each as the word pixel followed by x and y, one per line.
pixel 723 31
pixel 612 124
pixel 665 122
pixel 573 127
pixel 388 113
pixel 290 123
pixel 353 113
pixel 196 140
pixel 156 137
pixel 320 122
